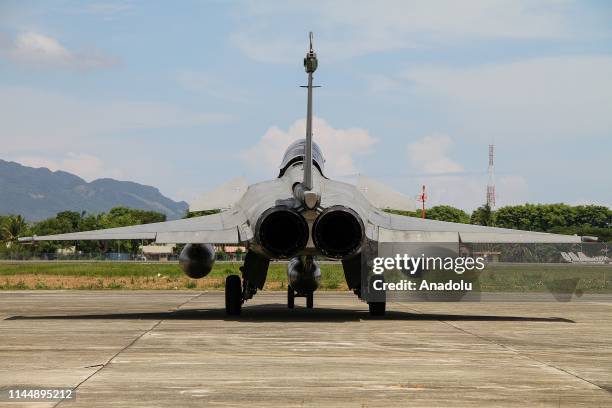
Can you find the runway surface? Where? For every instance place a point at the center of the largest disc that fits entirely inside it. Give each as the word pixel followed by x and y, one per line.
pixel 161 349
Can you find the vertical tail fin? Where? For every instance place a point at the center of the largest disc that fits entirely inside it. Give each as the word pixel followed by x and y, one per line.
pixel 310 64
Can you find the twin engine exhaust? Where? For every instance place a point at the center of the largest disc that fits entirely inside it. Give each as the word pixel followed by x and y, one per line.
pixel 282 231
pixel 337 232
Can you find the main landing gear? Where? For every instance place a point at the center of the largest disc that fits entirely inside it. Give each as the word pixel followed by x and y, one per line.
pixel 237 291
pixel 233 295
pixel 292 294
pixel 377 308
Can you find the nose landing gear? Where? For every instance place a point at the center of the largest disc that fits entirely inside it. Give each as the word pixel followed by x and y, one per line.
pixel 292 294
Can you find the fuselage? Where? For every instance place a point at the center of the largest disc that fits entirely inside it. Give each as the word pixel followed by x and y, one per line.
pixel 286 224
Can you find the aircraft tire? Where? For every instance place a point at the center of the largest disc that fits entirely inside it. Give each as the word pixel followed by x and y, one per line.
pixel 233 295
pixel 377 308
pixel 290 297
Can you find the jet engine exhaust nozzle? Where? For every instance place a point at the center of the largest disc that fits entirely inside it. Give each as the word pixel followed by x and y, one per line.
pixel 338 232
pixel 282 231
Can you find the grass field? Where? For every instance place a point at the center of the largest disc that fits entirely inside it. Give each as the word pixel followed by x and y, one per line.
pixel 118 275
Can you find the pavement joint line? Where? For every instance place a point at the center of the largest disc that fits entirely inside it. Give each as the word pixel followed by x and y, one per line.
pixel 515 351
pixel 130 344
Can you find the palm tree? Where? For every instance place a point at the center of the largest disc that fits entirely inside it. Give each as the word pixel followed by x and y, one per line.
pixel 483 215
pixel 12 227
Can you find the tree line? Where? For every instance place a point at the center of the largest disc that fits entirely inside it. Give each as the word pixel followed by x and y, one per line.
pixel 592 220
pixel 15 226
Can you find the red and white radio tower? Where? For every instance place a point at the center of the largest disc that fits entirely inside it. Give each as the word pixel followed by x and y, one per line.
pixel 491 183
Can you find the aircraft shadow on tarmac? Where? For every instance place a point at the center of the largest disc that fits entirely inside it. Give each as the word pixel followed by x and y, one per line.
pixel 280 313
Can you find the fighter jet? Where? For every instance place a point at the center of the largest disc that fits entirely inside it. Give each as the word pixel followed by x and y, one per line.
pixel 300 216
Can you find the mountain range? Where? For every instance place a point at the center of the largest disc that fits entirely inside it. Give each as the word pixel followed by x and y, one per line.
pixel 39 193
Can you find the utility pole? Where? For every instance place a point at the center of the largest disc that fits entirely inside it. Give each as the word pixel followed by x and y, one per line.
pixel 422 198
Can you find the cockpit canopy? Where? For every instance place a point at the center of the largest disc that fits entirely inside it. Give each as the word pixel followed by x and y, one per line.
pixel 295 153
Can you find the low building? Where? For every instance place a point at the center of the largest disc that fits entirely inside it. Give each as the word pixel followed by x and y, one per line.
pixel 489 256
pixel 155 252
pixel 230 252
pixel 71 250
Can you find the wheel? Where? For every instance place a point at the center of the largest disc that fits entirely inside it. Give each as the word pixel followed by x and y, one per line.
pixel 310 300
pixel 290 297
pixel 377 308
pixel 233 295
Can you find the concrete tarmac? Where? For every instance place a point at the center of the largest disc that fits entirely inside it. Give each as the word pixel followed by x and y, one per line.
pixel 178 349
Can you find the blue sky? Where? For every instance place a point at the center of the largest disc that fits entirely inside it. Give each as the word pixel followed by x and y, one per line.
pixel 185 96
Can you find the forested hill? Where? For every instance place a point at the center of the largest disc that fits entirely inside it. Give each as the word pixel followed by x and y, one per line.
pixel 38 193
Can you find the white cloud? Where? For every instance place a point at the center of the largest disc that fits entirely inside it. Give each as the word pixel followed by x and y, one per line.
pixel 430 155
pixel 108 9
pixel 105 10
pixel 351 28
pixel 195 80
pixel 543 98
pixel 209 84
pixel 585 201
pixel 469 192
pixel 49 121
pixel 511 190
pixel 340 146
pixel 84 165
pixel 382 83
pixel 37 49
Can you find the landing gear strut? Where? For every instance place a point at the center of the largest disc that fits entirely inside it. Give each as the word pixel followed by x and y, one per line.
pixel 237 290
pixel 377 308
pixel 291 295
pixel 310 300
pixel 233 295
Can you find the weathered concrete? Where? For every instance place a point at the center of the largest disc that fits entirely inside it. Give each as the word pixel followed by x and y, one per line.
pixel 147 349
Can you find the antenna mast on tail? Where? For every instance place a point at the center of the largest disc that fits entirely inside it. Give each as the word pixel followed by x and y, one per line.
pixel 310 64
